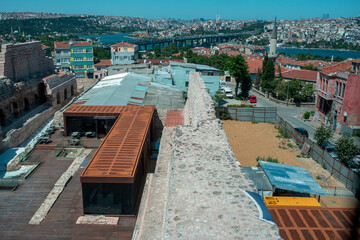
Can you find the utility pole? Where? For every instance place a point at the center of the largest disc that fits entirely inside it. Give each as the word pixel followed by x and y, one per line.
pixel 287 95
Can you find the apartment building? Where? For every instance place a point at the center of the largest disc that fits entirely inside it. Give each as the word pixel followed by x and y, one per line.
pixel 124 53
pixel 338 99
pixel 62 56
pixel 76 57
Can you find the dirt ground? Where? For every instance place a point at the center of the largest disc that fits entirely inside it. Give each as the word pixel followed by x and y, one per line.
pixel 250 140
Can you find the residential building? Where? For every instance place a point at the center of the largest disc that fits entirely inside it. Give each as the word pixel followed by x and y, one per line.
pixel 81 58
pixel 100 68
pixel 338 99
pixel 62 56
pixel 76 57
pixel 124 53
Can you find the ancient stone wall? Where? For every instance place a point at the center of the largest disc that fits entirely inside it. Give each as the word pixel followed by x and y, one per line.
pixel 199 106
pixel 198 190
pixel 23 61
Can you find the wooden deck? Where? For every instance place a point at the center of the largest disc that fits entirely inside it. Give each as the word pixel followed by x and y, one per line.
pixel 17 208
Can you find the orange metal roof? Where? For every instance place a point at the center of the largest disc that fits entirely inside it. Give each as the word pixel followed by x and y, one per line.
pixel 117 158
pixel 316 223
pixel 78 110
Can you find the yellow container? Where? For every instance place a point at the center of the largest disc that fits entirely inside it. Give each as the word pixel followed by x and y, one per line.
pixel 291 202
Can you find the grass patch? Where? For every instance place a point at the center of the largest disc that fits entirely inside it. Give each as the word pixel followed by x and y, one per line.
pixel 290 145
pixel 268 159
pixel 318 177
pixel 324 166
pixel 254 122
pixel 298 156
pixel 282 132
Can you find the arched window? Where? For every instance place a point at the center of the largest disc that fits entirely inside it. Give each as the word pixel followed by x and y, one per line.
pixel 58 100
pixel 26 104
pixel 15 109
pixel 2 118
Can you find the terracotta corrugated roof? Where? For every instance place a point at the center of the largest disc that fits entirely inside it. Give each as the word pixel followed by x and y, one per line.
pixel 315 222
pixel 343 66
pixel 44 47
pixel 61 45
pixel 254 64
pixel 123 44
pixel 93 110
pixel 117 158
pixel 104 62
pixel 81 44
pixel 300 74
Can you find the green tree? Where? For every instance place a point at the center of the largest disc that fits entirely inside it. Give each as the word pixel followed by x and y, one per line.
pixel 157 51
pixel 101 53
pixel 346 149
pixel 268 82
pixel 239 70
pixel 219 95
pixel 322 134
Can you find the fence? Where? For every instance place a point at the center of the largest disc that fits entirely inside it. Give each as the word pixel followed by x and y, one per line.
pixel 336 168
pixel 248 113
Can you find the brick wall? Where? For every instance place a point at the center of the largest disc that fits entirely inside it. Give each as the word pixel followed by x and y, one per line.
pixel 24 60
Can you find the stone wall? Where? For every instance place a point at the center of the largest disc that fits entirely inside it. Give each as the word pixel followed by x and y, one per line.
pixel 199 107
pixel 18 136
pixel 198 190
pixel 24 60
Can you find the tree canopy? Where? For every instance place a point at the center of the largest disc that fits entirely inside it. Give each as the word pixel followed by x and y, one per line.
pixel 268 81
pixel 239 70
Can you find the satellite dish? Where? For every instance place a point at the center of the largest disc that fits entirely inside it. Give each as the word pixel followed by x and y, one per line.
pixel 345 114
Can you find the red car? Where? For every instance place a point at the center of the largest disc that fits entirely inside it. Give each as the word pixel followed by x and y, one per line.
pixel 252 99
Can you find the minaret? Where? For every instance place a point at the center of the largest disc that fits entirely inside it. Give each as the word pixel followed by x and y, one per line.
pixel 273 42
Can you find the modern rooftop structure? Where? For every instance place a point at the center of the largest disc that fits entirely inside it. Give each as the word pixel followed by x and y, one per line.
pixel 180 73
pixel 291 178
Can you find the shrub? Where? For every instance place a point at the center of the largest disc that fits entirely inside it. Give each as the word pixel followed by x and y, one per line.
pixel 322 134
pixel 346 149
pixel 307 115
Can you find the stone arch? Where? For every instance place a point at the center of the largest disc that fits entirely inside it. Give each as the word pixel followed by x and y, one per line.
pixel 26 105
pixel 36 100
pixel 15 109
pixel 58 100
pixel 2 118
pixel 42 92
pixel 65 94
pixel 72 90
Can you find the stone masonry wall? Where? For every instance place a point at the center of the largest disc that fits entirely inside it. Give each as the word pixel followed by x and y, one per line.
pixel 198 188
pixel 24 60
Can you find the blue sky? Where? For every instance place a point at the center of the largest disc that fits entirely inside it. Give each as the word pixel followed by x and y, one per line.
pixel 190 9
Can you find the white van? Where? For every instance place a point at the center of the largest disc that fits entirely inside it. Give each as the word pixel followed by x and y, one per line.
pixel 228 92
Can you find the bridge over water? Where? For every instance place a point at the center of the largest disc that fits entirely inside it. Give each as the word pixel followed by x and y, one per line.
pixel 191 41
pixel 195 40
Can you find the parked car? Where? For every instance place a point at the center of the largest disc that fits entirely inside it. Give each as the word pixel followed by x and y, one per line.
pixel 252 99
pixel 302 132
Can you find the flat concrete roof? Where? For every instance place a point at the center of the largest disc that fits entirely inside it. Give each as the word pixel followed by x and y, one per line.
pixel 164 96
pixel 115 90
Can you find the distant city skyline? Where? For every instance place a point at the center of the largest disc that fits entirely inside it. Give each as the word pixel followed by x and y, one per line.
pixel 186 9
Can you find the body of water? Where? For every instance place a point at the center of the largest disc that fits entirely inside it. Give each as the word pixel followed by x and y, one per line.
pixel 109 38
pixel 319 52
